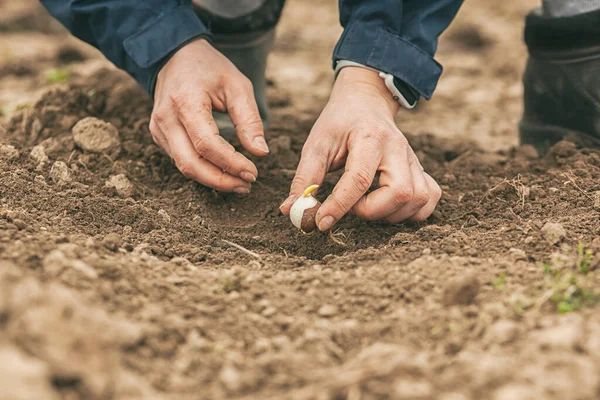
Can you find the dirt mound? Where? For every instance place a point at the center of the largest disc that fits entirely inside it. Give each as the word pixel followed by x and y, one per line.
pixel 120 279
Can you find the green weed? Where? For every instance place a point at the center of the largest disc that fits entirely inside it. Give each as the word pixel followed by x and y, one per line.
pixel 498 283
pixel 584 258
pixel 231 284
pixel 57 76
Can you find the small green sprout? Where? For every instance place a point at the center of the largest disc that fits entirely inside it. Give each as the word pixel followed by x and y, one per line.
pixel 498 283
pixel 231 284
pixel 584 258
pixel 57 76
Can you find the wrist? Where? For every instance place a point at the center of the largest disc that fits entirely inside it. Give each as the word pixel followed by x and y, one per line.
pixel 363 80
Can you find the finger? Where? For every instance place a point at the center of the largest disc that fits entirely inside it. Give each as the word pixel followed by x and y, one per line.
pixel 159 137
pixel 204 135
pixel 361 167
pixel 435 193
pixel 395 186
pixel 201 170
pixel 419 198
pixel 242 108
pixel 311 170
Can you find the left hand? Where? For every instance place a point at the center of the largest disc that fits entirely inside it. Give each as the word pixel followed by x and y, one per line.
pixel 357 129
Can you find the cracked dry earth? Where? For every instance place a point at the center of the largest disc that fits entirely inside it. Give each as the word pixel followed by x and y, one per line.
pixel 116 281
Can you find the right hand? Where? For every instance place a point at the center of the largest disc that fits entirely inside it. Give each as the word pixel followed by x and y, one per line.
pixel 195 81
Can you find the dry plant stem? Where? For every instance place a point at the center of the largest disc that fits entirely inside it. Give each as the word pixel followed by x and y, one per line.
pixel 571 177
pixel 243 249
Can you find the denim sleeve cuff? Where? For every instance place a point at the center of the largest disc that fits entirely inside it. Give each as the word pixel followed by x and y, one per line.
pixel 157 40
pixel 384 51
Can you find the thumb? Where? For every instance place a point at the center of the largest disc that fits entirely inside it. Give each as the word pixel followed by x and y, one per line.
pixel 312 169
pixel 242 108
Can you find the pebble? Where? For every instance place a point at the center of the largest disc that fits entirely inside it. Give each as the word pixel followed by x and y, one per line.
pixel 112 241
pixel 121 184
pixel 96 136
pixel 230 378
pixel 269 311
pixel 38 153
pixel 461 290
pixel 60 173
pixel 165 216
pixel 8 152
pixel 327 310
pixel 553 232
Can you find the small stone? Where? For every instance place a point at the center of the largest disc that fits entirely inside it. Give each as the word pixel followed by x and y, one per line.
pixel 165 216
pixel 280 143
pixel 461 290
pixel 327 310
pixel 97 136
pixel 121 184
pixel 40 180
pixel 19 223
pixel 553 232
pixel 230 378
pixel 38 153
pixel 60 173
pixel 502 332
pixel 8 152
pixel 517 254
pixel 112 241
pixel 269 311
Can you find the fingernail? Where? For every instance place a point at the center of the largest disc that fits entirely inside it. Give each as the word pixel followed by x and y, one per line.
pixel 260 144
pixel 287 201
pixel 326 223
pixel 242 190
pixel 247 176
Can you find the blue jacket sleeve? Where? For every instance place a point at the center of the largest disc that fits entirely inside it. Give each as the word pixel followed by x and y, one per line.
pixel 398 37
pixel 135 35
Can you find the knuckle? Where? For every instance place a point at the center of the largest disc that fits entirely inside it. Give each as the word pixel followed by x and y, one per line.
pixel 420 199
pixel 199 143
pixel 158 118
pixel 402 196
pixel 179 101
pixel 362 180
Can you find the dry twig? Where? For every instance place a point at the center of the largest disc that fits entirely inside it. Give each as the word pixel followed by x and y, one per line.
pixel 243 249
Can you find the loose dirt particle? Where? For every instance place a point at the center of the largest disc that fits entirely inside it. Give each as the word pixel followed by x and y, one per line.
pixel 121 184
pixel 553 232
pixel 327 310
pixel 23 377
pixel 461 290
pixel 112 241
pixel 9 152
pixel 502 332
pixel 279 143
pixel 97 136
pixel 60 173
pixel 38 153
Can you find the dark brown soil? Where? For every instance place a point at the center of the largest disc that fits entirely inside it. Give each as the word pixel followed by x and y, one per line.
pixel 140 292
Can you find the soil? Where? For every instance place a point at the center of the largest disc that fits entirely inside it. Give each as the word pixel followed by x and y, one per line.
pixel 120 279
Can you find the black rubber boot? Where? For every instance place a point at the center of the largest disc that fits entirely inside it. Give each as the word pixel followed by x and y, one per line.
pixel 246 39
pixel 562 81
